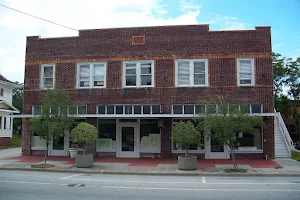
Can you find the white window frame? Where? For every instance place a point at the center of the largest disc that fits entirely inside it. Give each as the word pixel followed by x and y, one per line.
pixel 138 73
pixel 252 72
pixel 191 70
pixel 91 80
pixel 42 83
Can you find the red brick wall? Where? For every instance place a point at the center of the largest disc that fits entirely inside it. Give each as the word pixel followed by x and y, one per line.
pixel 5 141
pixel 26 137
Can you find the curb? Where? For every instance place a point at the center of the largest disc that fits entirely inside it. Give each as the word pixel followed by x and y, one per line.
pixel 148 173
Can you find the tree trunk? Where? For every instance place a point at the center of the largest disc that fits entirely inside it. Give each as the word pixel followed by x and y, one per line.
pixel 46 153
pixel 84 148
pixel 233 157
pixel 187 151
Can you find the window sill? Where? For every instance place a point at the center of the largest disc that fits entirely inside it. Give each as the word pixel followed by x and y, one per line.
pixel 82 88
pixel 192 85
pixel 246 85
pixel 149 151
pixel 138 87
pixel 190 151
pixel 106 150
pixel 38 148
pixel 249 151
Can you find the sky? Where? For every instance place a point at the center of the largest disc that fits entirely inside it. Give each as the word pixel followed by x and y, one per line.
pixel 282 16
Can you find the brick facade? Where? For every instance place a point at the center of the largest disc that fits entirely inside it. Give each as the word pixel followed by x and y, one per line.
pixel 5 141
pixel 163 45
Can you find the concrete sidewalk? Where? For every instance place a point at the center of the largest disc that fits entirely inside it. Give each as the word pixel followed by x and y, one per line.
pixel 142 166
pixel 10 152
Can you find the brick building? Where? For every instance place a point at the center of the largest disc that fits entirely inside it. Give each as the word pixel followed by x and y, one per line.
pixel 135 83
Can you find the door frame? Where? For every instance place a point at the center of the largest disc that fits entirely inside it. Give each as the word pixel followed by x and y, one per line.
pixel 214 155
pixel 136 152
pixel 65 151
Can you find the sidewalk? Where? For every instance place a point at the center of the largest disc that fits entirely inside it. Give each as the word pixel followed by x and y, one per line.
pixel 278 167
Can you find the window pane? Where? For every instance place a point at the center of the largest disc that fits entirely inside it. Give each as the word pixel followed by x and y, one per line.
pixel 72 110
pixel 99 80
pixel 199 67
pixel 84 82
pixel 137 109
pixel 146 70
pixel 199 109
pixel 119 109
pixel 84 71
pixel 48 72
pixel 150 134
pixel 99 69
pixel 81 109
pixel 245 81
pixel 146 79
pixel 245 108
pixel 183 79
pixel 128 109
pixel 177 109
pixel 101 109
pixel 245 66
pixel 107 134
pixel 130 65
pixel 199 79
pixel 211 109
pixel 130 80
pixel 188 109
pixel 36 110
pixel 48 82
pixel 256 108
pixel 110 109
pixel 146 109
pixel 130 71
pixel 155 109
pixel 183 67
pixel 248 142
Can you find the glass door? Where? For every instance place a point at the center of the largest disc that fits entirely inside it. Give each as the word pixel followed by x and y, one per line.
pixel 128 141
pixel 60 147
pixel 214 150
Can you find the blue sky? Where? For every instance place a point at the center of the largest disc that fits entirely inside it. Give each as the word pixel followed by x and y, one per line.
pixel 283 16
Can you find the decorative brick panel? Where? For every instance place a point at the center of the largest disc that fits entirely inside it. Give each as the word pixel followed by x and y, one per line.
pixel 26 137
pixel 5 141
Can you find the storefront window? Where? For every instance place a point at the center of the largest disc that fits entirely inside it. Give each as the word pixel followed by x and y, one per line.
pixel 150 135
pixel 249 142
pixel 37 142
pixel 198 145
pixel 107 134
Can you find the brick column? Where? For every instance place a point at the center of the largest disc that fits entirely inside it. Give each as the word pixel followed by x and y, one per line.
pixel 166 142
pixel 91 148
pixel 26 137
pixel 268 139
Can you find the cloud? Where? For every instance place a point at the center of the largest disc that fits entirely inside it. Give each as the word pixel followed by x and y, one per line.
pixel 277 46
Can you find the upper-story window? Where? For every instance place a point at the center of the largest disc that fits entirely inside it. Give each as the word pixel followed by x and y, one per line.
pixel 1 92
pixel 245 69
pixel 138 74
pixel 47 78
pixel 192 72
pixel 91 75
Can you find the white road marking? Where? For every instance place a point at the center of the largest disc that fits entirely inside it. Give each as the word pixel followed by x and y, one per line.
pixel 196 189
pixel 203 179
pixel 68 177
pixel 22 182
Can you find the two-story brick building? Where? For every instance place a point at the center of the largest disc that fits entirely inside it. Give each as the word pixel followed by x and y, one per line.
pixel 135 83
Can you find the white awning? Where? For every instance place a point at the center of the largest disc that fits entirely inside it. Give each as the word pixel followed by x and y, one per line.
pixel 7 108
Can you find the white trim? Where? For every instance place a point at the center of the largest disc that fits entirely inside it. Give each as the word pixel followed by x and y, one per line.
pixel 191 74
pixel 252 72
pixel 138 73
pixel 42 86
pixel 143 115
pixel 91 79
pixel 38 148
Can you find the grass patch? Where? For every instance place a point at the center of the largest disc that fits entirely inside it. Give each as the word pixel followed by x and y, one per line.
pixel 235 170
pixel 2 147
pixel 296 155
pixel 42 166
pixel 16 140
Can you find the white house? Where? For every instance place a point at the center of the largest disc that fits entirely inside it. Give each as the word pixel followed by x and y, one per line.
pixel 6 110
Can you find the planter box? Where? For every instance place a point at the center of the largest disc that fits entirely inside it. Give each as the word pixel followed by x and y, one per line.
pixel 189 163
pixel 84 161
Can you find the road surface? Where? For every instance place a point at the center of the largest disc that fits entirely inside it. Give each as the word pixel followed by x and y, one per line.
pixel 23 185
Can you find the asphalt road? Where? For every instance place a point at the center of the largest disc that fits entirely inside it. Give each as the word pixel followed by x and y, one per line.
pixel 23 185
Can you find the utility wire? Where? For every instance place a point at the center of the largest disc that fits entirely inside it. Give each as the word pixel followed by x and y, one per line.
pixel 38 17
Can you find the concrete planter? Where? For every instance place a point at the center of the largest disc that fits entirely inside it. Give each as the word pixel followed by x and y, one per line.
pixel 84 161
pixel 189 163
pixel 73 152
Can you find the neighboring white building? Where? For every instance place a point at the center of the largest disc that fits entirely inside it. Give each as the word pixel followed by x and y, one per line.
pixel 6 109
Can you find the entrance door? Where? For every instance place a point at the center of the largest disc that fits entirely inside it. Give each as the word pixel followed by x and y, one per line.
pixel 214 150
pixel 128 141
pixel 60 147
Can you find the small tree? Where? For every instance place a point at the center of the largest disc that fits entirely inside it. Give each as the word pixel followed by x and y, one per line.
pixel 54 119
pixel 84 133
pixel 225 120
pixel 185 134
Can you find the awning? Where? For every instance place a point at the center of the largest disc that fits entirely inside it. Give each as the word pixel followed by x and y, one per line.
pixel 7 108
